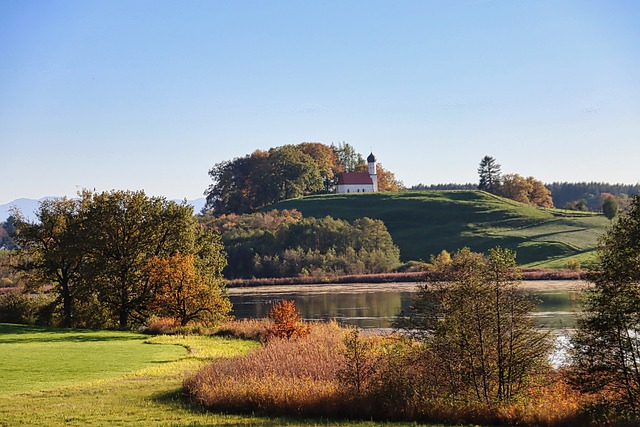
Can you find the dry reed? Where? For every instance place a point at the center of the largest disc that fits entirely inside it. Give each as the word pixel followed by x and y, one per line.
pixel 302 377
pixel 284 377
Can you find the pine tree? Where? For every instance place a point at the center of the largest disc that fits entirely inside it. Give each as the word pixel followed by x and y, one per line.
pixel 489 172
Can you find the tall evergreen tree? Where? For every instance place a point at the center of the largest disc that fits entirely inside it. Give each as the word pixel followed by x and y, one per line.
pixel 489 172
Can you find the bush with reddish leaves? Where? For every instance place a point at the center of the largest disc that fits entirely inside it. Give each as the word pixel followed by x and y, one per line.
pixel 286 322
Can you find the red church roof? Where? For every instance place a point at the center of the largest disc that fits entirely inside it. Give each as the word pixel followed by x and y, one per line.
pixel 355 178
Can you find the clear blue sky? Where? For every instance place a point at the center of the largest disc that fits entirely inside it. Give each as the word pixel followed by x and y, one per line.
pixel 150 94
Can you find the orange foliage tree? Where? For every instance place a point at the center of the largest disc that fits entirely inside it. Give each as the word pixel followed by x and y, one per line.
pixel 386 179
pixel 286 321
pixel 184 293
pixel 525 190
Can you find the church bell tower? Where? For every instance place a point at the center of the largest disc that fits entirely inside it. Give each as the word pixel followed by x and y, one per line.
pixel 372 171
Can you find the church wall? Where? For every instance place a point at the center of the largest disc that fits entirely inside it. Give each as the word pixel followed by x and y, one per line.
pixel 354 188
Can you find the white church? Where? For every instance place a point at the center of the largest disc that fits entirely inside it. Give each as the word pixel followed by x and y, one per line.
pixel 359 182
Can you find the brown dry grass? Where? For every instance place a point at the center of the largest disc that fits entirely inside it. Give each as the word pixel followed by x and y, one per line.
pixel 302 377
pixel 285 377
pixel 249 329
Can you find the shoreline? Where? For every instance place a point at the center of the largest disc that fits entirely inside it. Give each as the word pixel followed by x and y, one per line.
pixel 528 274
pixel 337 288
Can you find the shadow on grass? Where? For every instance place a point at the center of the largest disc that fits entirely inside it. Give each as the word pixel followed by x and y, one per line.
pixel 176 400
pixel 15 334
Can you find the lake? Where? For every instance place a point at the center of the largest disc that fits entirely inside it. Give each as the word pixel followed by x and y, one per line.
pixel 375 305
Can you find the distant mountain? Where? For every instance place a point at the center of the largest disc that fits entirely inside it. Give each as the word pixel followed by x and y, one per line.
pixel 26 206
pixel 29 206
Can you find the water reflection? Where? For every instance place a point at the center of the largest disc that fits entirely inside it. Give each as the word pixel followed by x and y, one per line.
pixel 377 309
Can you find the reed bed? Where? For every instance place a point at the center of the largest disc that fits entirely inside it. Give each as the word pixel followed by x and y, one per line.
pixel 248 329
pixel 284 377
pixel 408 276
pixel 396 380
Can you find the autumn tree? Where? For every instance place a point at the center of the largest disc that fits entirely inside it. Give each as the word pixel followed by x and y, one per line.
pixel 51 251
pixel 489 172
pixel 325 160
pixel 525 190
pixel 246 184
pixel 386 179
pixel 539 194
pixel 286 321
pixel 123 230
pixel 606 346
pixel 184 292
pixel 515 187
pixel 477 324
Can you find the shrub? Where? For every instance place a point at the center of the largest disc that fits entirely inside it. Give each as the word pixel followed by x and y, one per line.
pixel 286 321
pixel 251 329
pixel 573 264
pixel 17 306
pixel 161 325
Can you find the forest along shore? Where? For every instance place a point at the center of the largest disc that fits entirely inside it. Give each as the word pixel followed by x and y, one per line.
pixel 336 288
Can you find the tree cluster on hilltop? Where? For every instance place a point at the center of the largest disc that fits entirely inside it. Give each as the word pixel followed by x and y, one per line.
pixel 116 258
pixel 580 196
pixel 262 178
pixel 512 186
pixel 285 244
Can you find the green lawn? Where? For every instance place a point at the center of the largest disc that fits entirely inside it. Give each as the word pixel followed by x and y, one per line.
pixel 35 358
pixel 425 222
pixel 105 378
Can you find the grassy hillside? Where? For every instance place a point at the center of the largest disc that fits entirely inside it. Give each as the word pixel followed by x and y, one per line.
pixel 426 222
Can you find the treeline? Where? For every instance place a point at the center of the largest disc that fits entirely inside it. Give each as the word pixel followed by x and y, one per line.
pixel 586 196
pixel 571 194
pixel 442 187
pixel 285 244
pixel 115 259
pixel 246 184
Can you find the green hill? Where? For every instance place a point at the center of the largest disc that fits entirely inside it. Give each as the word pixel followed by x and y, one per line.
pixel 425 222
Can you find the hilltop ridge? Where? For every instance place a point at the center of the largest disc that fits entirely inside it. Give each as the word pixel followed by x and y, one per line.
pixel 425 222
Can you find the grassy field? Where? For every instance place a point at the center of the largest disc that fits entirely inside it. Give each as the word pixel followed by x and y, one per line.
pixel 425 222
pixel 105 378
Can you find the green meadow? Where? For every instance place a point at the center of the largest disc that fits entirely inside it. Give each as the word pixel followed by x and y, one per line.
pixel 426 222
pixel 58 377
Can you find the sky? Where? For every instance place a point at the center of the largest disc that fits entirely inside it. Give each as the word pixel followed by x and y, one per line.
pixel 150 94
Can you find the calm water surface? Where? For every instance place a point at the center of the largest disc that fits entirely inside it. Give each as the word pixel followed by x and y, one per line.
pixel 377 306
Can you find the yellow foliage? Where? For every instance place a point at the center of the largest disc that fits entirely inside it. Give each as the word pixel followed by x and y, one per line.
pixel 183 293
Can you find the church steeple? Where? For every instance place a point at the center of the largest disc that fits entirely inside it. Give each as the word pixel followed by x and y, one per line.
pixel 371 159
